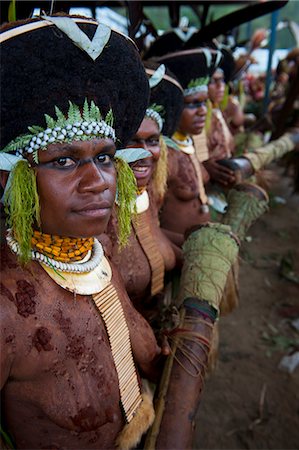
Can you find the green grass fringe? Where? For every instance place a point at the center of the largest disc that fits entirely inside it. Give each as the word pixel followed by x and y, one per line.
pixel 126 195
pixel 160 174
pixel 22 207
pixel 208 116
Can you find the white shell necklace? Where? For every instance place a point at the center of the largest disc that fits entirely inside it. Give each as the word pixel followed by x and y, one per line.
pixel 89 263
pixel 186 145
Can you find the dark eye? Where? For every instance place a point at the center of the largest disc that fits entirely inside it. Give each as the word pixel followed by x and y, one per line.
pixel 195 105
pixel 103 159
pixel 190 105
pixel 64 162
pixel 153 142
pixel 133 142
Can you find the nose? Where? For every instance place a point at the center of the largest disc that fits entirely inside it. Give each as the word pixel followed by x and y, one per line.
pixel 155 151
pixel 220 87
pixel 92 178
pixel 202 110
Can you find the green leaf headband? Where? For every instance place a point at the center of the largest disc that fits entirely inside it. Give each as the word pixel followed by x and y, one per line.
pixel 75 127
pixel 197 85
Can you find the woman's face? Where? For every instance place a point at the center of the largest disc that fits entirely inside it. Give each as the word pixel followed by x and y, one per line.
pixel 194 114
pixel 147 137
pixel 76 185
pixel 217 87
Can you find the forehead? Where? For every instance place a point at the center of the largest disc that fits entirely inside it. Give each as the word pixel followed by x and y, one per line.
pixel 218 75
pixel 147 127
pixel 197 97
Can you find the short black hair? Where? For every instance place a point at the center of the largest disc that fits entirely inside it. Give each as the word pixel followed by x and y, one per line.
pixel 42 68
pixel 169 94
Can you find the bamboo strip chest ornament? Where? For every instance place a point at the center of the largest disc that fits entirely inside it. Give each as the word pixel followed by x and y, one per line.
pixel 147 241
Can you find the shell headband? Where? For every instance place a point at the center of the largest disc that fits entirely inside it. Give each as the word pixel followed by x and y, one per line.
pixel 153 112
pixel 76 126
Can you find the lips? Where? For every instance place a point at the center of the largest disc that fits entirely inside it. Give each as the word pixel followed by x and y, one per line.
pixel 142 168
pixel 96 209
pixel 199 123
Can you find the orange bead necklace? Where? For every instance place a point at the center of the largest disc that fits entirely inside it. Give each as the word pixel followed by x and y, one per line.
pixel 63 249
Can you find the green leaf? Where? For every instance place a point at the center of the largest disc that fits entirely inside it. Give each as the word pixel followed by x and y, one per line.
pixel 12 14
pixel 95 112
pixel 17 144
pixel 49 121
pixel 109 119
pixel 158 108
pixel 35 129
pixel 170 143
pixel 198 82
pixel 35 156
pixel 86 111
pixel 60 117
pixel 130 155
pixel 77 113
pixel 6 438
pixel 70 113
pixel 74 114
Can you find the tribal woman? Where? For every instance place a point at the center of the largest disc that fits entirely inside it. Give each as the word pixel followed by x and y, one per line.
pixel 149 255
pixel 219 137
pixel 185 203
pixel 71 342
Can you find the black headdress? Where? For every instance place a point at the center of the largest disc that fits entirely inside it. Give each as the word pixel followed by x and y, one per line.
pixel 168 93
pixel 42 68
pixel 193 67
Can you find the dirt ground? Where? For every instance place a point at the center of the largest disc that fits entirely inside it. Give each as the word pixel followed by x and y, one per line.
pixel 248 403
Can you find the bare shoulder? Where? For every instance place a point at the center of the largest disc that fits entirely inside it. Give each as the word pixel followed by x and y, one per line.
pixel 18 285
pixel 11 301
pixel 173 157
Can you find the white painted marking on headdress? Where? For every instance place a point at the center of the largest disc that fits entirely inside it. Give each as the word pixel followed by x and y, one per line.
pixel 92 47
pixel 157 76
pixel 218 58
pixel 208 56
pixel 185 35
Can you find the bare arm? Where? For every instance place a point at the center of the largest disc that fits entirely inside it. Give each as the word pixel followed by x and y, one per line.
pixel 7 337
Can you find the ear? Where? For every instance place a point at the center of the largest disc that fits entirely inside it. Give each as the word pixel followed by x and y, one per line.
pixel 3 178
